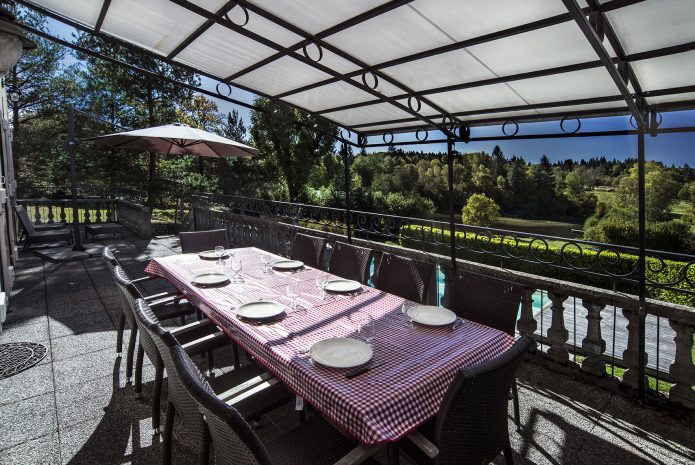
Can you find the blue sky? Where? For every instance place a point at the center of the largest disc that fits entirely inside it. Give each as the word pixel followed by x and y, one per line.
pixel 675 149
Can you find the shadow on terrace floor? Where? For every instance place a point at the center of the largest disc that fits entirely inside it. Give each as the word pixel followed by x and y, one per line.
pixel 74 407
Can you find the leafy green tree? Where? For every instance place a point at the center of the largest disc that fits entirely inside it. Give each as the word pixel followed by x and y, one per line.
pixel 291 148
pixel 661 190
pixel 480 210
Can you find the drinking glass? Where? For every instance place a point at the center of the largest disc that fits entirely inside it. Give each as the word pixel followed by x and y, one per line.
pixel 236 268
pixel 265 260
pixel 409 310
pixel 293 293
pixel 219 251
pixel 321 285
pixel 365 327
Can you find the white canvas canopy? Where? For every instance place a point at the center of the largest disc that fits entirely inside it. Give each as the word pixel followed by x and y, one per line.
pixel 376 66
pixel 176 139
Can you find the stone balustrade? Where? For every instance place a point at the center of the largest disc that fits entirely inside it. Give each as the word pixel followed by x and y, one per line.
pixel 91 210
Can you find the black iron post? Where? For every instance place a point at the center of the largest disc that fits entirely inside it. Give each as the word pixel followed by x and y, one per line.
pixel 452 227
pixel 70 145
pixel 348 205
pixel 642 221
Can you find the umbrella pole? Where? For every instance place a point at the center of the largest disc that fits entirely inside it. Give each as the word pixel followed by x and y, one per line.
pixel 71 143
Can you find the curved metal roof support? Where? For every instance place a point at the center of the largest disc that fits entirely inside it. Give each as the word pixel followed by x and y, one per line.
pixel 636 107
pixel 192 7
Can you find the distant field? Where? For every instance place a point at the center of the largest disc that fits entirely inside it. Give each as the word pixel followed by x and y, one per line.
pixel 604 196
pixel 545 227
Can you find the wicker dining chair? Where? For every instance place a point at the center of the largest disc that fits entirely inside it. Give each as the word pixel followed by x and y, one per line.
pixel 200 241
pixel 490 301
pixel 350 262
pixel 235 442
pixel 471 427
pixel 197 338
pixel 254 391
pixel 308 249
pixel 164 307
pixel 403 277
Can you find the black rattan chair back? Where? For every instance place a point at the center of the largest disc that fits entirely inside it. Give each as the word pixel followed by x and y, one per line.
pixel 109 258
pixel 483 299
pixel 308 249
pixel 234 442
pixel 350 262
pixel 200 241
pixel 164 342
pixel 403 277
pixel 472 425
pixel 129 296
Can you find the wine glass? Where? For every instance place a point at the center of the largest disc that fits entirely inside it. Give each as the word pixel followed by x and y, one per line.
pixel 236 268
pixel 293 293
pixel 219 251
pixel 265 260
pixel 321 285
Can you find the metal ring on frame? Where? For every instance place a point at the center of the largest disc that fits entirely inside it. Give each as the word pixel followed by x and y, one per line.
pixel 516 128
pixel 318 47
pixel 464 132
pixel 364 80
pixel 361 140
pixel 659 118
pixel 448 122
pixel 410 104
pixel 383 137
pixel 417 134
pixel 246 15
pixel 562 124
pixel 342 133
pixel 217 89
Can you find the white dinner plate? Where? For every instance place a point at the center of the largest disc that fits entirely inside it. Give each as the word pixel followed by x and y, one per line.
pixel 342 285
pixel 209 279
pixel 432 316
pixel 341 352
pixel 260 310
pixel 211 255
pixel 287 264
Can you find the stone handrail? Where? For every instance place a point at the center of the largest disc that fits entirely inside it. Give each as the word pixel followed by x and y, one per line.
pixel 135 217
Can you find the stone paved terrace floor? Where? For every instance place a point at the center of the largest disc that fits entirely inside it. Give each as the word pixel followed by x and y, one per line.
pixel 75 407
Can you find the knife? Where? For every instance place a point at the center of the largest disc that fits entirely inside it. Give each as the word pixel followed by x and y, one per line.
pixel 358 371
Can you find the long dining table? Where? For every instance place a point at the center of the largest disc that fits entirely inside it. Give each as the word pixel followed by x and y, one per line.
pixel 413 365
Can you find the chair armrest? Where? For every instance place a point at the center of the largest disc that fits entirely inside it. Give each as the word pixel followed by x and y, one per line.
pixel 143 279
pixel 194 330
pixel 424 444
pixel 210 342
pixel 170 295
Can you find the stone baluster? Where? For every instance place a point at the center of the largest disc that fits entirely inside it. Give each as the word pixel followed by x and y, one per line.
pixel 87 215
pixel 97 207
pixel 557 333
pixel 593 344
pixel 50 213
pixel 682 370
pixel 631 353
pixel 63 218
pixel 527 324
pixel 110 206
pixel 37 214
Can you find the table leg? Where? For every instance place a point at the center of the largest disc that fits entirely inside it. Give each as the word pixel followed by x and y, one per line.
pixel 393 457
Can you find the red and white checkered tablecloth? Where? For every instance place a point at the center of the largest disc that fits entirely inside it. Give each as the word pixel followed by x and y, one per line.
pixel 379 406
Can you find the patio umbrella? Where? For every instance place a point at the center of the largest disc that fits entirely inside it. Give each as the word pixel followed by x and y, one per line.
pixel 176 139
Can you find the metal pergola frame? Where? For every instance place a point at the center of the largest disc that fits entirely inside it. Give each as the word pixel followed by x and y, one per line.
pixel 591 21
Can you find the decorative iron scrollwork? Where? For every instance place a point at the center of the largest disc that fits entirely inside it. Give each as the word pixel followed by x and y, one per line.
pixel 308 56
pixel 374 78
pixel 504 128
pixel 417 134
pixel 562 124
pixel 388 135
pixel 217 89
pixel 246 15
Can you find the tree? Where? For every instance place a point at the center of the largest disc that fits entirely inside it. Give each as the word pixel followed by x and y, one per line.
pixel 480 210
pixel 286 144
pixel 661 191
pixel 234 127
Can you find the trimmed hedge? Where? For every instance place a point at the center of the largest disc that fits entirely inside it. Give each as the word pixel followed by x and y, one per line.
pixel 426 238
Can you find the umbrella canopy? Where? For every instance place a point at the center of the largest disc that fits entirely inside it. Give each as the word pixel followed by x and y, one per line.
pixel 177 139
